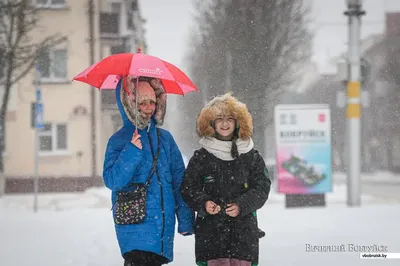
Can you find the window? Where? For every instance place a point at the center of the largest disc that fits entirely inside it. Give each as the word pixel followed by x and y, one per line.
pixel 116 7
pixel 134 5
pixel 116 49
pixel 132 13
pixel 53 64
pixel 51 3
pixel 53 138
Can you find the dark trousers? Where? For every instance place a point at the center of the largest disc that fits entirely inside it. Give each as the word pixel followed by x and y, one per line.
pixel 143 258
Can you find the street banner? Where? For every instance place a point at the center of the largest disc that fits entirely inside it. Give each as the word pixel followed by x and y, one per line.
pixel 303 149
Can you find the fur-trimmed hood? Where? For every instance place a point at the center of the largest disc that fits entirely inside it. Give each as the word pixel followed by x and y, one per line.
pixel 225 105
pixel 129 113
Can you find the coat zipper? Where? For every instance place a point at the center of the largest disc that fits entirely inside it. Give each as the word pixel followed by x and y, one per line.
pixel 163 213
pixel 162 200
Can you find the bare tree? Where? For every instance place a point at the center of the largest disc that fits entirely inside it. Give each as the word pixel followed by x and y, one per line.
pixel 18 51
pixel 391 101
pixel 253 48
pixel 390 70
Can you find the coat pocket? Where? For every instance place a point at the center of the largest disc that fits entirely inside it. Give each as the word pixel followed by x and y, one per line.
pixel 246 230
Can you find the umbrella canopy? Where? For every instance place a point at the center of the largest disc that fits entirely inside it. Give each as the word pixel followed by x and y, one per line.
pixel 106 73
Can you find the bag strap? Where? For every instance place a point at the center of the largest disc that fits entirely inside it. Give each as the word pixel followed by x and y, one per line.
pixel 155 157
pixel 155 160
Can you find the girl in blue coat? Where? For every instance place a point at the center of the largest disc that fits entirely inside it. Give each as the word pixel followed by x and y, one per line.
pixel 128 160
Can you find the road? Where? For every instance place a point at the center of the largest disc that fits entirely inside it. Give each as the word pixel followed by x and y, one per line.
pixel 390 191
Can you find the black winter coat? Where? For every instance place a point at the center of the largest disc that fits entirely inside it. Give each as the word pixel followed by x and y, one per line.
pixel 244 181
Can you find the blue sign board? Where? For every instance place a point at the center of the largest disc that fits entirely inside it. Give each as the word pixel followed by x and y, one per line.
pixel 38 95
pixel 39 123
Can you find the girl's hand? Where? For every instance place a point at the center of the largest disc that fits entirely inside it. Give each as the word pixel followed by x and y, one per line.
pixel 212 208
pixel 136 140
pixel 233 210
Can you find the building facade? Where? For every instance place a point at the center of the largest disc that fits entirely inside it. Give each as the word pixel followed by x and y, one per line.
pixel 65 144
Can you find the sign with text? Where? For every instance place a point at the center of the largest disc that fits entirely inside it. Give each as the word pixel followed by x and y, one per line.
pixel 303 149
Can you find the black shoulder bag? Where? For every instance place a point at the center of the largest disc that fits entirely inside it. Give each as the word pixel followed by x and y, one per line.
pixel 131 205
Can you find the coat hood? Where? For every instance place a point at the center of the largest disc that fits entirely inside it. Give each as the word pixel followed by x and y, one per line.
pixel 225 105
pixel 129 113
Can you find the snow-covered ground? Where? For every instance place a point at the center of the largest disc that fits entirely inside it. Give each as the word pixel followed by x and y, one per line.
pixel 381 177
pixel 100 198
pixel 76 229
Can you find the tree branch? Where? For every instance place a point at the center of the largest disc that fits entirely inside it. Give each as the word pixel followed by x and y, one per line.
pixel 18 22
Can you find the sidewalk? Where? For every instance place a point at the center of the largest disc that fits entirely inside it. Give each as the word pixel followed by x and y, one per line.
pixel 338 196
pixel 377 177
pixel 99 198
pixel 77 233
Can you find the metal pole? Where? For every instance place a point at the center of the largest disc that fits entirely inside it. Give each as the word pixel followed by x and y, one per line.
pixel 353 109
pixel 92 93
pixel 36 180
pixel 37 126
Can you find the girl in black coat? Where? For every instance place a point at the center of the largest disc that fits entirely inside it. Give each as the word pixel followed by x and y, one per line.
pixel 226 182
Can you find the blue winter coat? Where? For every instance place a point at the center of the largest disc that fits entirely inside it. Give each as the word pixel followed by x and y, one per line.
pixel 125 163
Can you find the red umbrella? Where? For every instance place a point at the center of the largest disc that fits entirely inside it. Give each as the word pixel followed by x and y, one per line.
pixel 106 73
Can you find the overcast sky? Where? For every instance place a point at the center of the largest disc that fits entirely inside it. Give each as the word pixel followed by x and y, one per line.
pixel 168 25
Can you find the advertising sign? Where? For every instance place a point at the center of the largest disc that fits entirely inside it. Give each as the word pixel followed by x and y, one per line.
pixel 303 149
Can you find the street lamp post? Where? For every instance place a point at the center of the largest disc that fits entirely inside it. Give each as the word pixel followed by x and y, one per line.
pixel 353 107
pixel 39 125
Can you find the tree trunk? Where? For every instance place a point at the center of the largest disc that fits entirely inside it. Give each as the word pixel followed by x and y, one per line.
pixel 3 112
pixel 2 142
pixel 2 139
pixel 389 155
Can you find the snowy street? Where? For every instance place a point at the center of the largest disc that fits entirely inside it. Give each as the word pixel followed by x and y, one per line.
pixel 381 184
pixel 77 230
pixel 112 94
